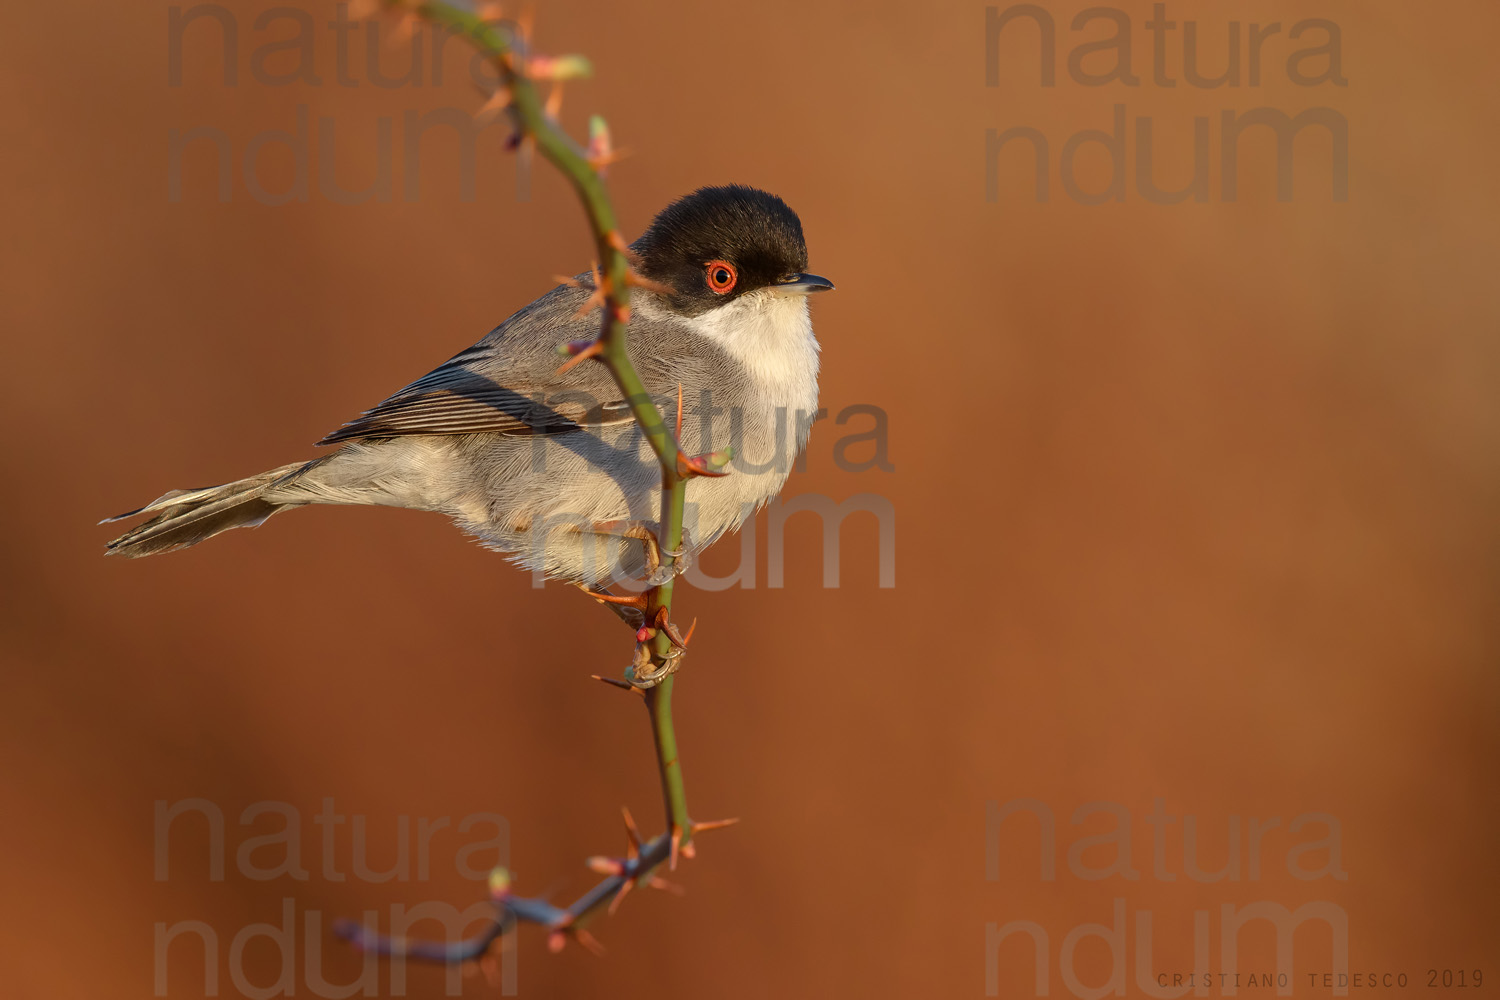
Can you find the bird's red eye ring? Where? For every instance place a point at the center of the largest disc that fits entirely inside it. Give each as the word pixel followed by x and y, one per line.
pixel 721 276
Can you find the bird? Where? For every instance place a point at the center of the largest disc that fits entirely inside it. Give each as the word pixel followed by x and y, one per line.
pixel 548 466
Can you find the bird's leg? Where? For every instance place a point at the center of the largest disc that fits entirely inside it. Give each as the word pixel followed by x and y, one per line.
pixel 658 573
pixel 643 671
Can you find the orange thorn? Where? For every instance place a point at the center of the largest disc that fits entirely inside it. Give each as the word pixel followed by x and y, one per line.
pixel 595 300
pixel 663 623
pixel 601 161
pixel 657 882
pixel 678 433
pixel 614 239
pixel 689 637
pixel 605 866
pixel 631 832
pixel 713 824
pixel 598 296
pixel 589 941
pixel 625 888
pixel 524 23
pixel 498 101
pixel 634 277
pixel 622 685
pixel 690 850
pixel 676 847
pixel 629 600
pixel 593 350
pixel 556 941
pixel 554 99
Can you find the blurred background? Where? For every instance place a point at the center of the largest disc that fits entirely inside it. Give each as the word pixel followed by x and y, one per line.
pixel 1193 503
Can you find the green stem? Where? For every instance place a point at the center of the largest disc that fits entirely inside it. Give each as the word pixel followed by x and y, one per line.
pixel 558 148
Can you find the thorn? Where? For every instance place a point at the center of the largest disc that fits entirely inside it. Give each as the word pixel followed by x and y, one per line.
pixel 664 624
pixel 605 866
pixel 601 164
pixel 713 824
pixel 689 637
pixel 625 888
pixel 595 300
pixel 630 600
pixel 589 941
pixel 689 850
pixel 525 21
pixel 632 833
pixel 582 354
pixel 556 941
pixel 498 102
pixel 676 847
pixel 599 291
pixel 639 280
pixel 678 433
pixel 657 882
pixel 623 685
pixel 614 239
pixel 553 107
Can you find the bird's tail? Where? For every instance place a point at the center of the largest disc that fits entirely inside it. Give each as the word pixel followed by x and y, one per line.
pixel 187 517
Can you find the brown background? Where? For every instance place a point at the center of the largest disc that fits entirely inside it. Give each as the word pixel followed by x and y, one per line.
pixel 1193 503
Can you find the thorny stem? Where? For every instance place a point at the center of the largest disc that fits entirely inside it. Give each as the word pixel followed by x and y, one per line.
pixel 518 70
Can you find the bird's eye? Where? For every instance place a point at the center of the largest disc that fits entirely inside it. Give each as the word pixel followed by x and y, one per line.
pixel 721 276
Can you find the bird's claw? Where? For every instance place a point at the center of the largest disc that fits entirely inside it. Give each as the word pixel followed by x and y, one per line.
pixel 644 672
pixel 659 571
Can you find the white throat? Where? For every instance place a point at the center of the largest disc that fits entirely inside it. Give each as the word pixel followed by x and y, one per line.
pixel 771 334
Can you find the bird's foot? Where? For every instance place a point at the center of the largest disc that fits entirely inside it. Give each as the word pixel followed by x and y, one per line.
pixel 644 672
pixel 647 670
pixel 658 570
pixel 665 572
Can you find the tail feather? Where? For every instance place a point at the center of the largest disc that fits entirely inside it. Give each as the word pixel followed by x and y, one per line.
pixel 187 517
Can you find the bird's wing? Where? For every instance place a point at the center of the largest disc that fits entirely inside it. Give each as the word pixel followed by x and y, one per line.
pixel 508 382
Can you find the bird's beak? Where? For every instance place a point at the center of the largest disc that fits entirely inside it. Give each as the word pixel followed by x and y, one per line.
pixel 802 284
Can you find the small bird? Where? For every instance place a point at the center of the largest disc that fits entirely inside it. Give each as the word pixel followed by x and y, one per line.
pixel 549 466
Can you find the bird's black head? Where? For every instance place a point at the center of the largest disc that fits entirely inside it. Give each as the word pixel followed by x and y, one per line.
pixel 720 243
